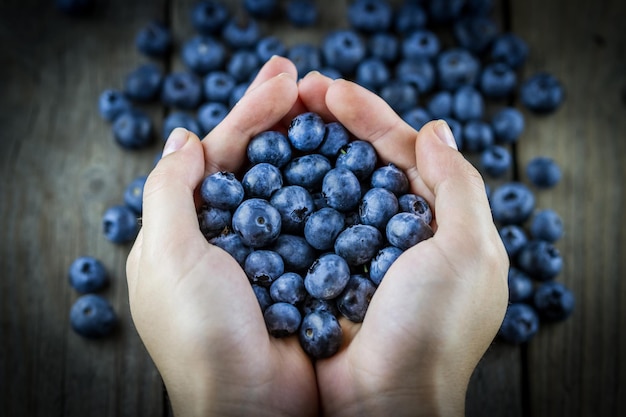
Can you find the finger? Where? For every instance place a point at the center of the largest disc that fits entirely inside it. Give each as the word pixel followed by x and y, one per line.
pixel 370 118
pixel 169 218
pixel 274 66
pixel 132 264
pixel 258 110
pixel 312 89
pixel 460 199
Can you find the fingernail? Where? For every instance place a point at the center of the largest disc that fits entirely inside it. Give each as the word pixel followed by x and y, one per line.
pixel 313 72
pixel 175 141
pixel 443 132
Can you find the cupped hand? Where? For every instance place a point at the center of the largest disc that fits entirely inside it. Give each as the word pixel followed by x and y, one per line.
pixel 191 303
pixel 440 304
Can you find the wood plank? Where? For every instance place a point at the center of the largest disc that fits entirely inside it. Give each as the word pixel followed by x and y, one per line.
pixel 65 170
pixel 577 368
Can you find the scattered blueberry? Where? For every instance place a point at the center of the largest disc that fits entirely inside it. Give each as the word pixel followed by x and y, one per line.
pixel 496 161
pixel 512 203
pixel 87 275
pixel 520 324
pixel 210 115
pixel 218 86
pixel 521 287
pixel 92 316
pixel 133 194
pixel 514 238
pixel 553 301
pixel 112 103
pixel 507 125
pixel 182 90
pixel 154 39
pixel 133 129
pixel 543 172
pixel 541 260
pixel 541 93
pixel 301 13
pixel 119 224
pixel 209 16
pixel 182 119
pixel 343 49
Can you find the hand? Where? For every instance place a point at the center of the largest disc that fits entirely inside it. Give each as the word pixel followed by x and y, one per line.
pixel 441 303
pixel 192 304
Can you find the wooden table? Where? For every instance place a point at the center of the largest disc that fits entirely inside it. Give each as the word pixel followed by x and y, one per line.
pixel 61 169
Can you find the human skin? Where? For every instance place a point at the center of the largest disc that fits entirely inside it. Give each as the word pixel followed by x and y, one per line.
pixel 429 323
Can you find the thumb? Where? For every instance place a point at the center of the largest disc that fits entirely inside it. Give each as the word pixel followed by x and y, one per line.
pixel 169 209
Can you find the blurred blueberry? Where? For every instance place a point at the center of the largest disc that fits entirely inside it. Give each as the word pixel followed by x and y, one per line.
pixel 543 172
pixel 218 86
pixel 546 225
pixel 507 124
pixel 241 33
pixel 420 44
pixel 301 13
pixel 468 104
pixel 541 93
pixel 210 115
pixel 520 324
pixel 92 316
pixel 400 96
pixel 497 80
pixel 144 82
pixel 495 161
pixel 439 105
pixel 521 287
pixel 209 16
pixel 418 72
pixel 133 194
pixel 242 65
pixel 475 33
pixel 182 90
pixel 262 9
pixel 112 103
pixel 417 117
pixel 269 46
pixel 512 203
pixel 154 39
pixel 343 49
pixel 510 49
pixel 384 46
pixel 87 274
pixel 409 17
pixel 541 260
pixel 306 57
pixel 119 224
pixel 554 301
pixel 444 11
pixel 370 15
pixel 477 136
pixel 202 54
pixel 133 129
pixel 514 238
pixel 372 73
pixel 457 67
pixel 180 119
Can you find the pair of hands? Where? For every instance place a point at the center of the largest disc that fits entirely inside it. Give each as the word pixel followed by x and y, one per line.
pixel 429 323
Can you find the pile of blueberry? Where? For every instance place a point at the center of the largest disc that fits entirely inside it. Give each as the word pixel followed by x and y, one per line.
pixel 315 222
pixel 437 59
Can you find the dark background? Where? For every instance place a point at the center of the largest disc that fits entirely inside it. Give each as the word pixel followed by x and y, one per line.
pixel 60 169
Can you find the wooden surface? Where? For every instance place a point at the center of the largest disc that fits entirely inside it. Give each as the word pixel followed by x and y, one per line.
pixel 60 170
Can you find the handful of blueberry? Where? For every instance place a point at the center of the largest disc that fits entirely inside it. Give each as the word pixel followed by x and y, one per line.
pixel 315 221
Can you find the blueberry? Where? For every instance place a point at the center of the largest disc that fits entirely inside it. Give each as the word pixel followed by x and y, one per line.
pixel 543 172
pixel 312 304
pixel 359 157
pixel 421 45
pixel 409 17
pixel 182 90
pixel 202 54
pixel 213 221
pixel 553 301
pixel 182 119
pixel 457 67
pixel 330 72
pixel 521 286
pixel 439 105
pixel 288 288
pixel 417 117
pixel 341 189
pixel 546 225
pixel 320 334
pixel 512 203
pixel 372 73
pixel 445 11
pixel 343 49
pixel 218 86
pixel 377 206
pixel 382 261
pixel 541 93
pixel 257 222
pixel 233 244
pixel 282 319
pixel 477 136
pixel 497 80
pixel 541 260
pixel 269 46
pixel 262 180
pixel 295 204
pixel 262 9
pixel 514 238
pixel 133 129
pixel 507 125
pixel 263 266
pixel 271 147
pixel 306 131
pixel 306 57
pixel 209 16
pixel 419 73
pixel 154 39
pixel 263 296
pixel 119 224
pixel 243 65
pixel 335 137
pixel 210 115
pixel 391 178
pixel 296 252
pixel 353 302
pixel 222 190
pixel 301 13
pixel 307 171
pixel 322 228
pixel 241 33
pixel 415 204
pixel 87 274
pixel 359 243
pixel 327 277
pixel 112 103
pixel 405 230
pixel 510 49
pixel 475 33
pixel 370 15
pixel 401 96
pixel 384 46
pixel 478 7
pixel 520 324
pixel 92 316
pixel 468 104
pixel 496 161
pixel 133 194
